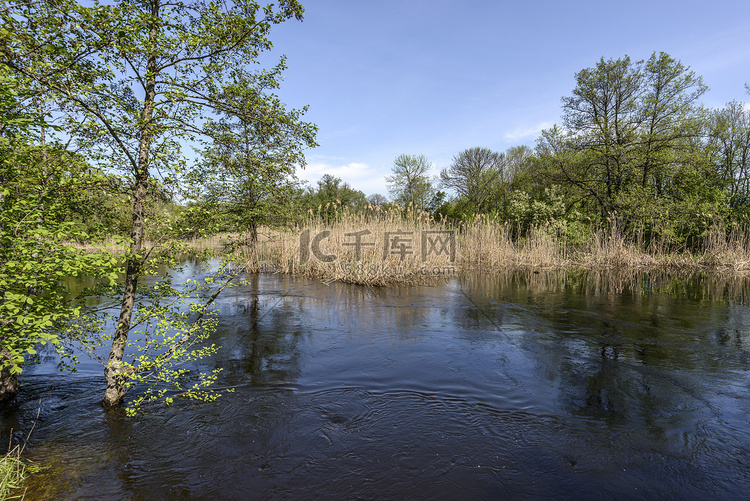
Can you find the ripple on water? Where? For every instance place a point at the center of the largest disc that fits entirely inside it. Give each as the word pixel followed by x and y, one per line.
pixel 348 442
pixel 344 393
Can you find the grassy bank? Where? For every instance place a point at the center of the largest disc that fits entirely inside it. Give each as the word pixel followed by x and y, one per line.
pixel 377 246
pixel 402 246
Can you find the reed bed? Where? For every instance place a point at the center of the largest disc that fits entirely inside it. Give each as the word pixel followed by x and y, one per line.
pixel 381 246
pixel 324 245
pixel 374 246
pixel 486 243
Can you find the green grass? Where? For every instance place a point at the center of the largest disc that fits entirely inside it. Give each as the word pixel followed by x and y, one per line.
pixel 12 474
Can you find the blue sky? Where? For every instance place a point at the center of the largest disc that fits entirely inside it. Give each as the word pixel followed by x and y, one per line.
pixel 434 77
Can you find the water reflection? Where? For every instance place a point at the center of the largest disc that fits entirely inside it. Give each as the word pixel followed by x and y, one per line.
pixel 626 356
pixel 532 385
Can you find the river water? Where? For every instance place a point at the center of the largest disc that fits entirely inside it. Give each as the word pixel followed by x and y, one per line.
pixel 520 386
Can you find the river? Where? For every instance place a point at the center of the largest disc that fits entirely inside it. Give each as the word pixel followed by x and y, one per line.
pixel 492 386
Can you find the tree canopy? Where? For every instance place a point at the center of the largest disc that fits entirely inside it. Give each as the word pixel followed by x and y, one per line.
pixel 133 83
pixel 409 183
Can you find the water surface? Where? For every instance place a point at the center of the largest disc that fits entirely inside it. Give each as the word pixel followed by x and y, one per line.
pixel 525 386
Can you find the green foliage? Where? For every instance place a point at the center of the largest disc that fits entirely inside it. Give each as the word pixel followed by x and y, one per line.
pixel 547 211
pixel 134 83
pixel 332 193
pixel 633 147
pixel 168 338
pixel 483 181
pixel 38 187
pixel 410 183
pixel 248 173
pixel 12 474
pixel 627 125
pixel 635 150
pixel 729 152
pixel 474 175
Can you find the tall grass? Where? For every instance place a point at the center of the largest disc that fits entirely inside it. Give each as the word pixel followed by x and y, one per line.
pixel 324 245
pixel 482 243
pixel 13 467
pixel 12 474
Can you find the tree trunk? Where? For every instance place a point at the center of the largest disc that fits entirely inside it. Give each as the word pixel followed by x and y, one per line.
pixel 117 378
pixel 252 235
pixel 8 380
pixel 115 375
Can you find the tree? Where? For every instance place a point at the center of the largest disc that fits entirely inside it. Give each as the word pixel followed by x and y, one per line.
pixel 602 120
pixel 331 194
pixel 136 81
pixel 517 163
pixel 628 128
pixel 410 182
pixel 473 175
pixel 516 175
pixel 377 199
pixel 249 169
pixel 38 182
pixel 669 117
pixel 729 142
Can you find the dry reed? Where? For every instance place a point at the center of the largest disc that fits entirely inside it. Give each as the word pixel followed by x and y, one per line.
pixel 480 244
pixel 372 246
pixel 404 245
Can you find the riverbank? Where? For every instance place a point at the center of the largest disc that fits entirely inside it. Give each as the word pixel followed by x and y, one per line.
pixel 401 246
pixel 385 247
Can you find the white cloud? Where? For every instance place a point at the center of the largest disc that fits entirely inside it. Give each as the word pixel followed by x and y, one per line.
pixel 527 132
pixel 360 176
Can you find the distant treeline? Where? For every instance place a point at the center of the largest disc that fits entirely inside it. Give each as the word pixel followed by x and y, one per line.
pixel 634 147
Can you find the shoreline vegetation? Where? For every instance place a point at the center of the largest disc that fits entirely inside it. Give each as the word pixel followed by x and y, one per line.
pixel 12 474
pixel 400 245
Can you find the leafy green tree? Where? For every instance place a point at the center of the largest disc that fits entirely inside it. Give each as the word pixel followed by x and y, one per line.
pixel 137 81
pixel 436 202
pixel 37 185
pixel 729 144
pixel 518 163
pixel 256 147
pixel 601 120
pixel 516 175
pixel 473 175
pixel 410 182
pixel 669 119
pixel 629 130
pixel 332 193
